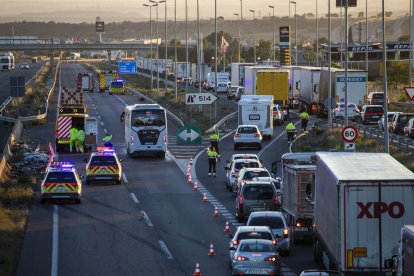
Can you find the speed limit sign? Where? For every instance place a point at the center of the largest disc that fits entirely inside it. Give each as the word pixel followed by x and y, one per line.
pixel 349 134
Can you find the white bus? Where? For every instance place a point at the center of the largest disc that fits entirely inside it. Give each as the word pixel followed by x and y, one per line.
pixel 145 129
pixel 7 62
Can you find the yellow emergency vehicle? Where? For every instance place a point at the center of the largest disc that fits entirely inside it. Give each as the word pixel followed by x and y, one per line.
pixel 105 79
pixel 117 87
pixel 104 165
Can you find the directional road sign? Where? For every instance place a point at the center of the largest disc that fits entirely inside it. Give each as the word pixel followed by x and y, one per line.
pixel 349 146
pixel 17 86
pixel 189 134
pixel 200 98
pixel 127 67
pixel 410 92
pixel 349 134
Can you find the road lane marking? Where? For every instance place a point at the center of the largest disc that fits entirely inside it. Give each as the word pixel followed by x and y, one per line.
pixel 134 198
pixel 165 249
pixel 102 123
pixel 146 218
pixel 121 100
pixel 124 178
pixel 55 240
pixel 105 130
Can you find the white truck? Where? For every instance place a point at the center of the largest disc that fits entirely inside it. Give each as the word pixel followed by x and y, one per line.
pixel 250 78
pixel 238 73
pixel 309 88
pixel 257 110
pixel 182 71
pixel 7 62
pixel 298 186
pixel 295 84
pixel 222 77
pixel 362 200
pixel 204 69
pixel 403 263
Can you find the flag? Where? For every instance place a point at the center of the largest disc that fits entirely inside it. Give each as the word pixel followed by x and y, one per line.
pixel 224 44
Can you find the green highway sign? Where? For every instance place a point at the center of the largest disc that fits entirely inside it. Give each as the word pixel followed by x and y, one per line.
pixel 189 134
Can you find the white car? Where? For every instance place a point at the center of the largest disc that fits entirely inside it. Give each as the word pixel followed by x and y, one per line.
pixel 236 166
pixel 222 87
pixel 339 111
pixel 255 174
pixel 381 121
pixel 248 135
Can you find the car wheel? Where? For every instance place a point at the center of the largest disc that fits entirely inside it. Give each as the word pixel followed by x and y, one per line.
pixel 78 201
pixel 119 181
pixel 162 155
pixel 231 188
pixel 87 182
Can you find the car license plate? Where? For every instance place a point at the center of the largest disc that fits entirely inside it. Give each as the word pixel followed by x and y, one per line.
pixel 301 229
pixel 258 209
pixel 375 117
pixel 256 271
pixel 61 189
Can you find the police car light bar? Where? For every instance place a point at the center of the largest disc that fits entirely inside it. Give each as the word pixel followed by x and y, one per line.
pixel 63 165
pixel 105 149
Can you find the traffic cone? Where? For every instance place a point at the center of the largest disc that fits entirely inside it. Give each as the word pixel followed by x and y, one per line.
pixel 227 229
pixel 197 271
pixel 189 180
pixel 211 253
pixel 188 173
pixel 191 161
pixel 195 186
pixel 205 199
pixel 216 212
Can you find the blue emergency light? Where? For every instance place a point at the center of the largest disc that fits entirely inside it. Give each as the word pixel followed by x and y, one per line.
pixel 106 150
pixel 67 166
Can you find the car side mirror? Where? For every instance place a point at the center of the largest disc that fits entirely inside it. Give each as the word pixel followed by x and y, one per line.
pixel 232 248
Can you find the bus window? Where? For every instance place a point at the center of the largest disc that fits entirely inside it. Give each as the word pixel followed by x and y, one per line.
pixel 147 118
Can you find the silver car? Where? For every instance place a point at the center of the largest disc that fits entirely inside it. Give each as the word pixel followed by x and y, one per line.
pixel 256 196
pixel 277 223
pixel 236 166
pixel 255 257
pixel 248 135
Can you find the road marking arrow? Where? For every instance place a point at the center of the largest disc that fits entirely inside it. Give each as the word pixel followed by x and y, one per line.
pixel 410 92
pixel 185 135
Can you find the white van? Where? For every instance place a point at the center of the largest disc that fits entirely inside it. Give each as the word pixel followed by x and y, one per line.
pixel 257 110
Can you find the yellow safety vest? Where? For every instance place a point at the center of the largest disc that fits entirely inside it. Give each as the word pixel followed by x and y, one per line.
pixel 73 133
pixel 107 138
pixel 81 135
pixel 211 154
pixel 290 127
pixel 304 115
pixel 214 137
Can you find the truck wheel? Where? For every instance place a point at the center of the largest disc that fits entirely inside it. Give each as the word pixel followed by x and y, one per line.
pixel 162 155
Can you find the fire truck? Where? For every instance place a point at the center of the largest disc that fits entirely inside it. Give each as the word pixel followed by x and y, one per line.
pixel 105 79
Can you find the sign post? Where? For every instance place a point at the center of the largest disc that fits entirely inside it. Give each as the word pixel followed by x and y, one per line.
pixel 349 135
pixel 17 90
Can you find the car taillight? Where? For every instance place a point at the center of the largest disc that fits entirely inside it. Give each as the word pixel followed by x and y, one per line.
pixel 132 138
pixel 235 242
pixel 285 233
pixel 298 224
pixel 165 137
pixel 241 200
pixel 257 135
pixel 277 202
pixel 237 135
pixel 57 133
pixel 242 258
pixel 74 184
pixel 115 167
pixel 271 259
pixel 46 184
pixel 276 113
pixel 274 242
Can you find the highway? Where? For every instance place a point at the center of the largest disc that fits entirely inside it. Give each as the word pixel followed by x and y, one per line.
pixel 153 224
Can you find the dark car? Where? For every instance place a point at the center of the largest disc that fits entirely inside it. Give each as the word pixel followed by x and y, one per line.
pixel 409 128
pixel 370 114
pixel 400 120
pixel 376 98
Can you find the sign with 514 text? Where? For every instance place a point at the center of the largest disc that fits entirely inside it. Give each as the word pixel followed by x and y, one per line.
pixel 200 98
pixel 127 67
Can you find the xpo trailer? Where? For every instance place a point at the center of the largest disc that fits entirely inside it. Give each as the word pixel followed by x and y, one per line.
pixel 238 73
pixel 362 200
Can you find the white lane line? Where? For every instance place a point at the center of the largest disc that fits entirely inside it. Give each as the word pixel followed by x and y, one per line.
pixel 146 218
pixel 134 198
pixel 99 116
pixel 102 123
pixel 165 249
pixel 105 130
pixel 55 240
pixel 121 100
pixel 124 178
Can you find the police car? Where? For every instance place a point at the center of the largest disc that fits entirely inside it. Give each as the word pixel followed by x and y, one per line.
pixel 61 182
pixel 104 165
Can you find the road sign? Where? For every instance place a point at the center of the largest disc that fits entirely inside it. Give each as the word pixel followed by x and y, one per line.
pixel 189 134
pixel 17 86
pixel 127 67
pixel 100 26
pixel 409 91
pixel 342 3
pixel 200 98
pixel 349 146
pixel 349 134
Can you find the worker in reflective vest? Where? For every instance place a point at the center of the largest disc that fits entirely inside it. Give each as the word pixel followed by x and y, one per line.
pixel 73 137
pixel 107 140
pixel 214 141
pixel 212 160
pixel 304 116
pixel 81 141
pixel 290 130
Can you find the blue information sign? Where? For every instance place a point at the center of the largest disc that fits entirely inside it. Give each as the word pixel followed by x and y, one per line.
pixel 127 67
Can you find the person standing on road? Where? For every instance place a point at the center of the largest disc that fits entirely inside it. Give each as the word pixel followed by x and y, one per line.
pixel 80 143
pixel 107 140
pixel 214 140
pixel 290 130
pixel 304 116
pixel 212 160
pixel 73 132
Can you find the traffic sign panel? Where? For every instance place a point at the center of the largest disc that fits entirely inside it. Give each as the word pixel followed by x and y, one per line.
pixel 200 98
pixel 349 146
pixel 189 134
pixel 409 91
pixel 349 134
pixel 127 67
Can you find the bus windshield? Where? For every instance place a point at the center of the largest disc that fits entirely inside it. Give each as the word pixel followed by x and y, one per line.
pixel 147 118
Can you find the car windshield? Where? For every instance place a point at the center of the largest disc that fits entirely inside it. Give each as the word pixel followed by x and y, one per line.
pixel 403 119
pixel 254 235
pixel 253 174
pixel 117 84
pixel 258 192
pixel 272 222
pixel 256 247
pixel 247 130
pixel 240 165
pixel 60 177
pixel 103 161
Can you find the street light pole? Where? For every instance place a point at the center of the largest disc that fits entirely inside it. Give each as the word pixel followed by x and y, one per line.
pixel 254 34
pixel 329 68
pixel 296 34
pixel 166 50
pixel 317 35
pixel 186 48
pixel 175 51
pixel 157 54
pixel 366 36
pixel 384 80
pixel 274 42
pixel 238 25
pixel 199 49
pixel 215 59
pixel 346 64
pixel 150 7
pixel 241 10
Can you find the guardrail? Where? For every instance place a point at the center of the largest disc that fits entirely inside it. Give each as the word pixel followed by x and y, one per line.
pixel 14 136
pixel 229 117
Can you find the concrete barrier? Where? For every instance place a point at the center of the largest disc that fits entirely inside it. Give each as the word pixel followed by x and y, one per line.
pixel 7 152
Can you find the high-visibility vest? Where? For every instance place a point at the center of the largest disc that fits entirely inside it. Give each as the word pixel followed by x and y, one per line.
pixel 211 154
pixel 304 115
pixel 214 137
pixel 81 135
pixel 73 133
pixel 290 126
pixel 107 138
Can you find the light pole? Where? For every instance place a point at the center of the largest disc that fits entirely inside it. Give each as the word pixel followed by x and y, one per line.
pixel 215 58
pixel 186 49
pixel 166 50
pixel 254 34
pixel 296 34
pixel 329 68
pixel 150 6
pixel 384 80
pixel 157 54
pixel 175 50
pixel 199 49
pixel 238 25
pixel 241 10
pixel 274 42
pixel 366 36
pixel 223 53
pixel 317 35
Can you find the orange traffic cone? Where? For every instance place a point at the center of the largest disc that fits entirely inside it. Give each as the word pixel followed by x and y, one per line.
pixel 195 186
pixel 191 161
pixel 189 180
pixel 216 212
pixel 227 229
pixel 188 173
pixel 211 253
pixel 205 199
pixel 197 271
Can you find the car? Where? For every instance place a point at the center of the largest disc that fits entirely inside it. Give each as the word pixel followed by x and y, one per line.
pixel 248 135
pixel 255 256
pixel 399 121
pixel 316 272
pixel 103 165
pixel 339 111
pixel 250 232
pixel 235 92
pixel 381 121
pixel 61 182
pixel 243 156
pixel 376 98
pixel 409 128
pixel 256 196
pixel 279 115
pixel 236 166
pixel 249 174
pixel 222 87
pixel 25 66
pixel 277 223
pixel 369 114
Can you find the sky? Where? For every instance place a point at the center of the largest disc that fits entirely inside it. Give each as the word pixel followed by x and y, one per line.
pixel 87 10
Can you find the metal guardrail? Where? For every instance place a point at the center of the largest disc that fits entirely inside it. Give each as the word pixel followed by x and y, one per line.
pixel 222 121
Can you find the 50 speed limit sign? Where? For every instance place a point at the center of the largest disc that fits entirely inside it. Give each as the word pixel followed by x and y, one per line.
pixel 349 134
